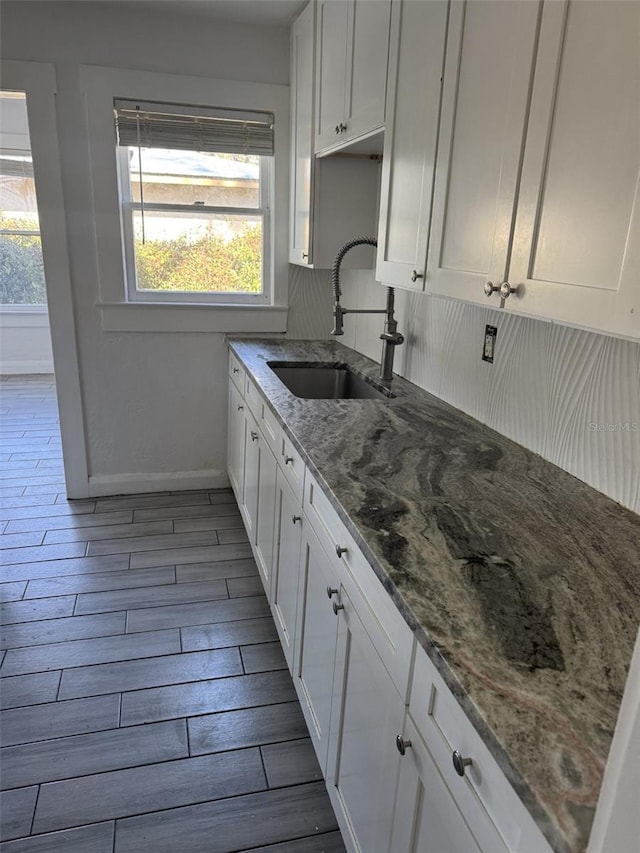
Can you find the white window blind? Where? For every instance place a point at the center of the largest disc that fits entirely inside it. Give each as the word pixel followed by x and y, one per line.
pixel 188 128
pixel 15 164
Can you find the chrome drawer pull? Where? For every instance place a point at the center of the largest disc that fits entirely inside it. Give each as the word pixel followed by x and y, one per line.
pixel 460 763
pixel 402 745
pixel 337 607
pixel 331 591
pixel 340 551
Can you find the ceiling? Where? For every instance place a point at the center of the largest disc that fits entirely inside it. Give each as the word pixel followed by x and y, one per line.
pixel 262 12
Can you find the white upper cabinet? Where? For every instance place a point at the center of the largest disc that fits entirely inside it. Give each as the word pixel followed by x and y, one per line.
pixel 336 197
pixel 488 70
pixel 352 47
pixel 576 247
pixel 418 32
pixel 302 53
pixel 538 162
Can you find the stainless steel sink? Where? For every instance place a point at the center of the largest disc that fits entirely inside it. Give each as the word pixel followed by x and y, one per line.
pixel 326 381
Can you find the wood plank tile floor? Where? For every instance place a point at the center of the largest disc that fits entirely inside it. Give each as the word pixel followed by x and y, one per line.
pixel 145 701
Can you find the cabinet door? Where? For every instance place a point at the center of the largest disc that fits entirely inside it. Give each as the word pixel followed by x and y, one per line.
pixel 331 71
pixel 286 564
pixel 266 515
pixel 315 640
pixel 302 55
pixel 367 54
pixel 426 818
pixel 418 33
pixel 366 711
pixel 235 441
pixel 488 69
pixel 576 251
pixel 249 503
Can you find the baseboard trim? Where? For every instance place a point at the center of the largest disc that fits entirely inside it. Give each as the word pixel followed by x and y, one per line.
pixel 107 485
pixel 15 368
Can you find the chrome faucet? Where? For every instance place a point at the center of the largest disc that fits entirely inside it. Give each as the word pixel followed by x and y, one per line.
pixel 390 336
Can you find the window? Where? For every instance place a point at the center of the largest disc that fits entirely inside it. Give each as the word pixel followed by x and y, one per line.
pixel 21 267
pixel 195 188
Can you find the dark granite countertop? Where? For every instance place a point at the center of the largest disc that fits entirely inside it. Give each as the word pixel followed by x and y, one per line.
pixel 521 582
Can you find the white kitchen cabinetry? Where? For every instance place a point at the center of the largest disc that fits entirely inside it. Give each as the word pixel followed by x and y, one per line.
pixel 542 200
pixel 353 658
pixel 492 811
pixel 266 511
pixel 426 818
pixel 366 710
pixel 576 245
pixel 418 33
pixel 352 48
pixel 235 440
pixel 286 563
pixel 249 503
pixel 316 640
pixel 489 63
pixel 332 198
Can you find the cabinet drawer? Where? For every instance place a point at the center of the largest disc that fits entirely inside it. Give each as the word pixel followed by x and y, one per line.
pixel 253 398
pixel 265 419
pixel 292 466
pixel 236 372
pixel 484 788
pixel 387 629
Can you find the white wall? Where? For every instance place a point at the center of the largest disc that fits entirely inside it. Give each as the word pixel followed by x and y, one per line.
pixel 25 337
pixel 25 341
pixel 561 392
pixel 154 403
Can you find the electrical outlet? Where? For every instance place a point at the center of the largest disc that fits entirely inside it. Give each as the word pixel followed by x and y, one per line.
pixel 490 333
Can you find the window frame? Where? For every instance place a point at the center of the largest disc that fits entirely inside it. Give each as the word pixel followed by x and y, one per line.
pixel 127 208
pixel 99 86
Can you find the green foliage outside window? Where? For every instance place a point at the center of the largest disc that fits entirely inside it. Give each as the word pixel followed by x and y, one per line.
pixel 209 263
pixel 21 269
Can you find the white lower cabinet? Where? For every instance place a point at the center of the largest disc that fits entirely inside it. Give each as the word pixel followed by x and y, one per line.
pixel 286 564
pixel 266 513
pixel 427 818
pixel 366 713
pixel 316 633
pixel 353 657
pixel 249 502
pixel 235 440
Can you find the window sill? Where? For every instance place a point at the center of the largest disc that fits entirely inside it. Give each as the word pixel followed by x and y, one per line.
pixel 24 316
pixel 176 317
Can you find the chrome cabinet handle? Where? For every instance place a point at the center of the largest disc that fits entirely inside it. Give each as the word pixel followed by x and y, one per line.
pixel 337 607
pixel 338 126
pixel 305 254
pixel 288 460
pixel 254 435
pixel 331 591
pixel 460 763
pixel 241 408
pixel 506 290
pixel 340 551
pixel 490 288
pixel 415 275
pixel 296 518
pixel 342 127
pixel 236 370
pixel 402 745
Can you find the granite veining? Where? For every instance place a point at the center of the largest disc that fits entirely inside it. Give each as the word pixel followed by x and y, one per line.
pixel 521 582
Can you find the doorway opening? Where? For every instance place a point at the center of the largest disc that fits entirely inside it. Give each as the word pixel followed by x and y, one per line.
pixel 25 346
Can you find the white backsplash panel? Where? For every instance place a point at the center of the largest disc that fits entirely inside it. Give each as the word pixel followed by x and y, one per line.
pixel 570 395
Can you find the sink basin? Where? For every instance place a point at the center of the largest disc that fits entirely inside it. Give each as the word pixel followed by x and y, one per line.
pixel 326 381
